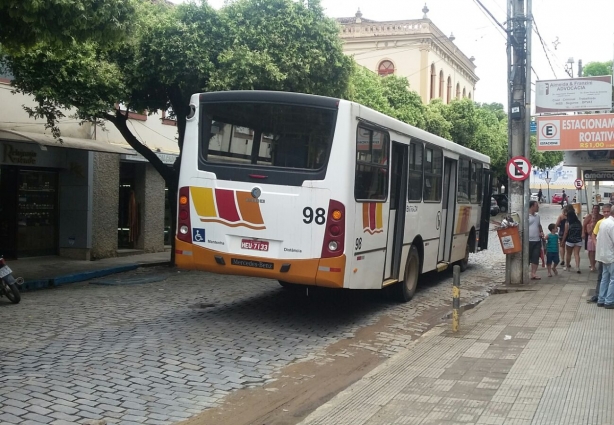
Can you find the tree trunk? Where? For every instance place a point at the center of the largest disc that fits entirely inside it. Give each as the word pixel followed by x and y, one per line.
pixel 169 174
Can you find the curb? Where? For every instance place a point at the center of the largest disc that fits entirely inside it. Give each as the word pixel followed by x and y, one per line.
pixel 33 285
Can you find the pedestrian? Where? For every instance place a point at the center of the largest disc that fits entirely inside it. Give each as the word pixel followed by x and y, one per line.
pixel 552 249
pixel 540 195
pixel 563 199
pixel 605 254
pixel 560 224
pixel 573 240
pixel 588 224
pixel 536 234
pixel 606 213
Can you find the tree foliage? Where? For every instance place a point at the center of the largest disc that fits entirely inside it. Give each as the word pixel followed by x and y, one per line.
pixel 24 23
pixel 595 69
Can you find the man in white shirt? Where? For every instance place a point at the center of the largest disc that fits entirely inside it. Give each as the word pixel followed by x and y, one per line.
pixel 605 254
pixel 536 235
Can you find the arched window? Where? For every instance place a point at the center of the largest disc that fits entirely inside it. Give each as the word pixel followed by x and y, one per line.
pixel 441 84
pixel 458 90
pixel 464 93
pixel 433 80
pixel 385 68
pixel 449 95
pixel 469 95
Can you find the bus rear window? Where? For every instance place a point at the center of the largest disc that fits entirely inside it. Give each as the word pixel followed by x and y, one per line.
pixel 266 134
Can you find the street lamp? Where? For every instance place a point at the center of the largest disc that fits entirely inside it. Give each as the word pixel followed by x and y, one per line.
pixel 569 67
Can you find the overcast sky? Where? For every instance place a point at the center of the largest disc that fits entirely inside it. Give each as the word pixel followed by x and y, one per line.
pixel 583 28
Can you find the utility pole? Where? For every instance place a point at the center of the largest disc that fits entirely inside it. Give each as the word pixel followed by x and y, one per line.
pixel 580 68
pixel 519 75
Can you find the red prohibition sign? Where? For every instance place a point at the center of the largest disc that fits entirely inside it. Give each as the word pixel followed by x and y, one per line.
pixel 518 174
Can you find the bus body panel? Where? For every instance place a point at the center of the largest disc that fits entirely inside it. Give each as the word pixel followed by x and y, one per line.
pixel 231 217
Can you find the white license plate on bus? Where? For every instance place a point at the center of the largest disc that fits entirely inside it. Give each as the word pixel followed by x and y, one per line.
pixel 5 271
pixel 254 245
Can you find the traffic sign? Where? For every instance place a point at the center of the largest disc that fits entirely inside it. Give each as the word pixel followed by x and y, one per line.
pixel 533 127
pixel 548 179
pixel 518 168
pixel 578 183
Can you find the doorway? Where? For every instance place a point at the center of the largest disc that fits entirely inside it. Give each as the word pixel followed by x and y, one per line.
pixel 398 205
pixel 445 220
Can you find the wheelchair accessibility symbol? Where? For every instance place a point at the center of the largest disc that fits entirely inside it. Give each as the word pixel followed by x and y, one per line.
pixel 198 235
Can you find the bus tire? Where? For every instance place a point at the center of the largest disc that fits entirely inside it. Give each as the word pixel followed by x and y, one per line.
pixel 464 263
pixel 406 289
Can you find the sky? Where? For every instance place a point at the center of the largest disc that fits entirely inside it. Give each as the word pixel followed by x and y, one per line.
pixel 583 30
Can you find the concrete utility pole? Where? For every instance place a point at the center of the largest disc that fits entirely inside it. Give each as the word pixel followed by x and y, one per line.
pixel 519 73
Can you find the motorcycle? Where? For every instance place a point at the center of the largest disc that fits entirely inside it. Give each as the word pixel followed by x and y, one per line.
pixel 9 285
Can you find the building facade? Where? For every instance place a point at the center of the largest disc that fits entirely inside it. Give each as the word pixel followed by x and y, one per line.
pixel 414 48
pixel 89 196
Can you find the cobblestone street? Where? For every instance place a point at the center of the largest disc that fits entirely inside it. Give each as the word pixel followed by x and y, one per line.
pixel 176 343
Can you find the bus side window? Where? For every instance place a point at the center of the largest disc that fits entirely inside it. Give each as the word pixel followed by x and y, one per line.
pixel 433 174
pixel 463 181
pixel 476 183
pixel 371 178
pixel 416 169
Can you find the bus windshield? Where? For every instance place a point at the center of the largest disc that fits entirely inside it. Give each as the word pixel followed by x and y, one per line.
pixel 266 134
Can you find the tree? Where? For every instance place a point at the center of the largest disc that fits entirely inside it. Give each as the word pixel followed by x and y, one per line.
pixel 24 23
pixel 365 87
pixel 176 51
pixel 594 69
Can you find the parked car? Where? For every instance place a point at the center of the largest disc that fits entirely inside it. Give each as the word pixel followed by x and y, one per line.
pixel 494 208
pixel 501 201
pixel 557 198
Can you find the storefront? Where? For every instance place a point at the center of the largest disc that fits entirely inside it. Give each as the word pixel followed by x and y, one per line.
pixel 46 193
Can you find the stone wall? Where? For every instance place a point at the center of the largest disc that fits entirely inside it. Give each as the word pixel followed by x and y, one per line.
pixel 150 197
pixel 105 205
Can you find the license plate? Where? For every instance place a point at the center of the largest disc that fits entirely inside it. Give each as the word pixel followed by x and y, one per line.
pixel 254 245
pixel 5 271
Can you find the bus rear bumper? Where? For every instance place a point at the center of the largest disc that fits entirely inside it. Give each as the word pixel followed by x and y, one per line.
pixel 325 272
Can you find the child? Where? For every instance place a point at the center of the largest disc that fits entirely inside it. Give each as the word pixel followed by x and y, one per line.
pixel 552 254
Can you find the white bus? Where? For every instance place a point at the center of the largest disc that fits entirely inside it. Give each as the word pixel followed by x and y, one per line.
pixel 310 190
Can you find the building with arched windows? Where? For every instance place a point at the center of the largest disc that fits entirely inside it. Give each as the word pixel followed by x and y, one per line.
pixel 435 67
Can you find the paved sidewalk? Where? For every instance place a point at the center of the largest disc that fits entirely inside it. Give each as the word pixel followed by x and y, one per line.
pixel 542 356
pixel 43 272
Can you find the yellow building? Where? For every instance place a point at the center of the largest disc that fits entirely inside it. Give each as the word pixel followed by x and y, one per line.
pixel 414 48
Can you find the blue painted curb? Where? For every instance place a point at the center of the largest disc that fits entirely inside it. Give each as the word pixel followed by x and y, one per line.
pixel 80 277
pixel 33 285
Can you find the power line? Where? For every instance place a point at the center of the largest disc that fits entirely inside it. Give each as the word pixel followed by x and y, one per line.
pixel 485 10
pixel 544 46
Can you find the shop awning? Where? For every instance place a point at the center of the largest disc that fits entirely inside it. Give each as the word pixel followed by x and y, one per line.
pixel 67 142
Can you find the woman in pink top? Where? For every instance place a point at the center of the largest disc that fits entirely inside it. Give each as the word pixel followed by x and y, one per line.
pixel 587 231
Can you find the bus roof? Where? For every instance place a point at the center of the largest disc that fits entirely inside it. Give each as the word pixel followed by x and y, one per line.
pixel 328 102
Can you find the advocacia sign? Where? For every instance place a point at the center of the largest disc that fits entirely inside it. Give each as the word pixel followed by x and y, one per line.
pixel 575 94
pixel 575 132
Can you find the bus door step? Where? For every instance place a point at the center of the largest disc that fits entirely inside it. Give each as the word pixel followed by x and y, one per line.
pixel 442 266
pixel 389 282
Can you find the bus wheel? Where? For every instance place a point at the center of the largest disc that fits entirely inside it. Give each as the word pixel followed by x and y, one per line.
pixel 464 263
pixel 406 289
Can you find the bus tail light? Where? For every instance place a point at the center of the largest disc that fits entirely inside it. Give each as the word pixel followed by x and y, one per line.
pixel 184 232
pixel 334 236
